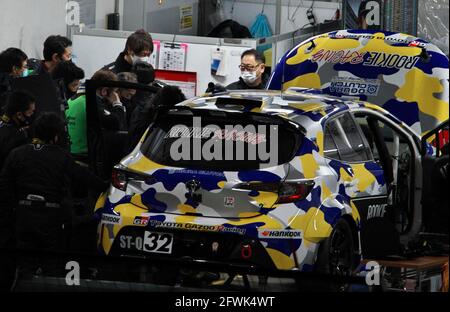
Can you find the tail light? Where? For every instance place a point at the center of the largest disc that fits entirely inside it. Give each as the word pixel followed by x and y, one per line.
pixel 288 192
pixel 292 192
pixel 121 176
pixel 246 252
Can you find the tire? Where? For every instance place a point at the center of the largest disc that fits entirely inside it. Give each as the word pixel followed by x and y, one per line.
pixel 335 257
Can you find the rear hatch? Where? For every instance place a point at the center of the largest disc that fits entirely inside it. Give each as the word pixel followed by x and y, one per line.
pixel 214 163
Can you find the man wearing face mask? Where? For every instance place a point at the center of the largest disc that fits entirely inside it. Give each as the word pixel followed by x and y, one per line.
pixel 56 49
pixel 71 76
pixel 15 122
pixel 138 48
pixel 13 64
pixel 252 72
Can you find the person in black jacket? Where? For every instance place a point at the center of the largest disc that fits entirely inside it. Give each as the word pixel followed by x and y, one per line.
pixel 145 74
pixel 253 74
pixel 70 75
pixel 138 48
pixel 56 49
pixel 15 123
pixel 127 95
pixel 13 64
pixel 112 112
pixel 35 199
pixel 110 142
pixel 166 97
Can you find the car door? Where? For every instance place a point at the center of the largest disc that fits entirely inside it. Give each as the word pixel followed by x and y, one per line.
pixel 363 181
pixel 396 150
pixel 435 163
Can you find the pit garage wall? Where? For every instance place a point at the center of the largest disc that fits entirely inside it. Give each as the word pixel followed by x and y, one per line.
pixel 245 12
pixel 25 24
pixel 433 22
pixel 158 18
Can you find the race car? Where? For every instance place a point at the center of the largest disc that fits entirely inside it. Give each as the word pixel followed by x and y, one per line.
pixel 324 169
pixel 320 185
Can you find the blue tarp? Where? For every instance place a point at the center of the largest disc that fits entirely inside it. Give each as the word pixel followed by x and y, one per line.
pixel 261 29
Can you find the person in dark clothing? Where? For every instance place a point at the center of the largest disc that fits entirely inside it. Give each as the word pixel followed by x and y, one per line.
pixel 138 48
pixel 13 64
pixel 14 124
pixel 107 144
pixel 168 96
pixel 253 74
pixel 71 76
pixel 127 95
pixel 142 100
pixel 35 205
pixel 112 112
pixel 56 49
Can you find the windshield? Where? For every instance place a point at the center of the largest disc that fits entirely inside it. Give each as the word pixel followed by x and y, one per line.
pixel 223 141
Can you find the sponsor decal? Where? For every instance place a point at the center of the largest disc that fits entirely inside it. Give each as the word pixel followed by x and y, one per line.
pixel 355 86
pixel 233 229
pixel 111 219
pixel 141 221
pixel 336 57
pixel 376 211
pixel 196 227
pixel 228 202
pixel 227 134
pixel 370 37
pixel 197 172
pixel 279 234
pixel 379 59
pixel 417 44
pixel 370 59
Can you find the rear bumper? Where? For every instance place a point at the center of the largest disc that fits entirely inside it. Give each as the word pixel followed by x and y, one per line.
pixel 201 246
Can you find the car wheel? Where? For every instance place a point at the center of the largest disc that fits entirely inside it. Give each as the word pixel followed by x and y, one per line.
pixel 335 257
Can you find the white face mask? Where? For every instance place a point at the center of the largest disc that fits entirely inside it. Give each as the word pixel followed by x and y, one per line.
pixel 249 77
pixel 139 59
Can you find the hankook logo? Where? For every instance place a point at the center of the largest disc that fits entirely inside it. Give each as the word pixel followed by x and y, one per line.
pixel 279 234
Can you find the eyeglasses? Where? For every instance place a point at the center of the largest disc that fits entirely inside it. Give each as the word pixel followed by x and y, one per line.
pixel 248 67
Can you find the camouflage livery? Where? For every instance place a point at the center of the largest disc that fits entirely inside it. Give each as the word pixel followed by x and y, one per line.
pixel 405 75
pixel 161 204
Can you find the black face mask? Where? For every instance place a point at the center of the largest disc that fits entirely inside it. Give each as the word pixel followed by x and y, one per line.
pixel 28 120
pixel 70 94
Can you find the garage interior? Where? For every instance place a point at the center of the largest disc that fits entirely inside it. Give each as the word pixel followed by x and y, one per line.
pixel 359 90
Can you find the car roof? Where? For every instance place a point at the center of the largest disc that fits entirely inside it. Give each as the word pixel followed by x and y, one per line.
pixel 289 104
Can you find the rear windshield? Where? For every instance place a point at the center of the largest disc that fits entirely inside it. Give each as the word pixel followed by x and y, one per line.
pixel 222 141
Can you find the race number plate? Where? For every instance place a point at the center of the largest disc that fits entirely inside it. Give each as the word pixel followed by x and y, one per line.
pixel 160 243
